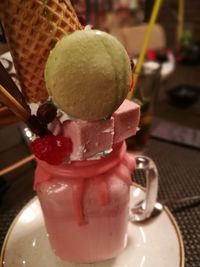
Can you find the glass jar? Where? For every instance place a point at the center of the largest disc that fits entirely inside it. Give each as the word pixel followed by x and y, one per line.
pixel 86 205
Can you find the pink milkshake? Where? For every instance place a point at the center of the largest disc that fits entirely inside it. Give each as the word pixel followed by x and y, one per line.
pixel 85 206
pixel 83 172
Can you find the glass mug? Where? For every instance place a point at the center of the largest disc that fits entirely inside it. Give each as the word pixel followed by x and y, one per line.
pixel 146 95
pixel 86 204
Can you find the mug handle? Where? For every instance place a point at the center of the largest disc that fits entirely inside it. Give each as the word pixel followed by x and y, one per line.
pixel 144 208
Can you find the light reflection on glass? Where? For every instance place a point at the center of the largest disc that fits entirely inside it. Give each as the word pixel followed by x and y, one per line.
pixel 60 189
pixel 28 133
pixel 125 240
pixel 24 262
pixel 34 243
pixel 137 192
pixel 142 261
pixel 143 235
pixel 56 188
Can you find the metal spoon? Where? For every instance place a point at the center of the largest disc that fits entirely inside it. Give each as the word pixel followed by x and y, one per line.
pixel 175 206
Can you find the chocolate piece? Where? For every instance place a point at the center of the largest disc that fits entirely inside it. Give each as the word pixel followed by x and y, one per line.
pixel 19 107
pixel 47 113
pixel 132 64
pixel 13 104
pixel 37 127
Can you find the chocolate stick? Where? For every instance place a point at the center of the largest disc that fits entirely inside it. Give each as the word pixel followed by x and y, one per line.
pixel 15 101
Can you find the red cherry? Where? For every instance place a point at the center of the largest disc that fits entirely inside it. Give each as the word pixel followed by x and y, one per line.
pixel 52 149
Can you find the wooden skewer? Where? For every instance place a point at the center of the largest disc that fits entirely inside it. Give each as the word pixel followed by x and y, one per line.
pixel 9 119
pixel 21 112
pixel 16 165
pixel 13 104
pixel 7 82
pixel 4 110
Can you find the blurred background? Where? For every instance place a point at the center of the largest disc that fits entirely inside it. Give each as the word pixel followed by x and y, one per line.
pixel 109 14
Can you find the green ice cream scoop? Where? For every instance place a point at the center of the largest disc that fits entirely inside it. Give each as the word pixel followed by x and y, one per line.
pixel 88 74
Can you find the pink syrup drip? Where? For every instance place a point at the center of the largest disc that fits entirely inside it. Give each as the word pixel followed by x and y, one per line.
pixel 119 164
pixel 74 170
pixel 123 173
pixel 103 190
pixel 43 177
pixel 77 195
pixel 129 161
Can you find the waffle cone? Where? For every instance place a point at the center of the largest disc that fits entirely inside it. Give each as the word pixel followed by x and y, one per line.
pixel 32 28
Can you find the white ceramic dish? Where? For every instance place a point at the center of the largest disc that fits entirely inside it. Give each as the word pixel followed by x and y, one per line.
pixel 156 243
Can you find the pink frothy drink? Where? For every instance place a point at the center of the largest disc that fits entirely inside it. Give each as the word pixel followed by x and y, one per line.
pixel 85 205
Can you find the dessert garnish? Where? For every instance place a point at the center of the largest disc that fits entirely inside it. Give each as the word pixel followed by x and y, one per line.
pixel 88 74
pixel 52 149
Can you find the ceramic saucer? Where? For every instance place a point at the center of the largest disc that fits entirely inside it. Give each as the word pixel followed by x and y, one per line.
pixel 156 243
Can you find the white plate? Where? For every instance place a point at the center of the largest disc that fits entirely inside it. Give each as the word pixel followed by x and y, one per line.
pixel 157 243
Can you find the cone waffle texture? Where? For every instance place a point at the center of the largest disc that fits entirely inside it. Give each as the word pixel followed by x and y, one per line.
pixel 32 28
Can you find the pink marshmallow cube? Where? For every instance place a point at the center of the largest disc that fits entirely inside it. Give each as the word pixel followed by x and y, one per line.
pixel 126 120
pixel 89 138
